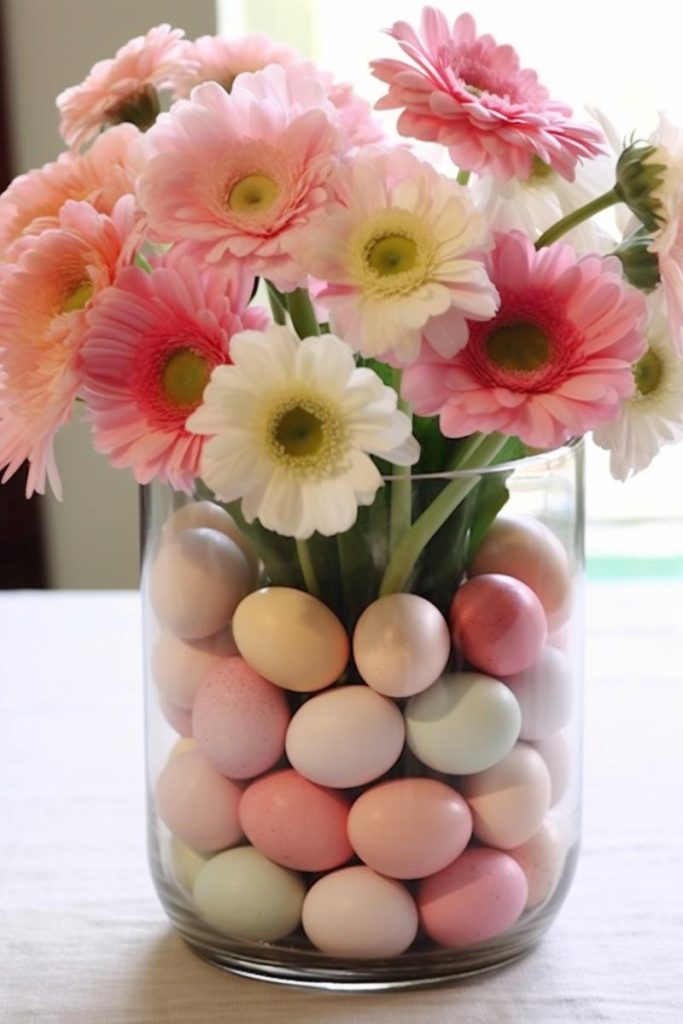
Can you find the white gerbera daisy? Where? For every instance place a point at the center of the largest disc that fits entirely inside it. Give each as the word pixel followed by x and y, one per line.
pixel 292 425
pixel 653 415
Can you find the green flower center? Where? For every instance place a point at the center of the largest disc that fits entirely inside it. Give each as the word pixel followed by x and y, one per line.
pixel 540 170
pixel 184 377
pixel 648 373
pixel 300 432
pixel 393 254
pixel 305 435
pixel 519 347
pixel 79 297
pixel 473 89
pixel 254 193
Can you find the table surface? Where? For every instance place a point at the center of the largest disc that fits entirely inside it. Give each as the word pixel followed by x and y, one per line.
pixel 83 938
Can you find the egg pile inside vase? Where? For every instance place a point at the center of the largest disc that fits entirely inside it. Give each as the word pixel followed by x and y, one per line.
pixel 369 793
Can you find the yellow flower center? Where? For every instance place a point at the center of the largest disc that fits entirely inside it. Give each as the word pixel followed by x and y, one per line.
pixel 518 347
pixel 305 435
pixel 79 297
pixel 392 254
pixel 184 377
pixel 254 193
pixel 648 372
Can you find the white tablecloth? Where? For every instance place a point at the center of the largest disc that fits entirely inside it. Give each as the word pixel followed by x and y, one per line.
pixel 83 938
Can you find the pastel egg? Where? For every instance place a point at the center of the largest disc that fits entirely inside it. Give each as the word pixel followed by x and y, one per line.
pixel 556 753
pixel 509 800
pixel 209 515
pixel 525 548
pixel 478 896
pixel 179 719
pixel 182 746
pixel 541 859
pixel 296 823
pixel 498 624
pixel 198 804
pixel 243 895
pixel 185 863
pixel 197 580
pixel 359 914
pixel 345 737
pixel 291 638
pixel 401 644
pixel 239 720
pixel 544 692
pixel 180 666
pixel 464 723
pixel 408 828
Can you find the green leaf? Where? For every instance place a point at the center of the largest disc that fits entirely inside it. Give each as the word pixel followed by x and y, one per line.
pixel 492 495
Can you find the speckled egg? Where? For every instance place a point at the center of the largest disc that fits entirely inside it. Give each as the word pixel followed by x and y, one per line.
pixel 239 720
pixel 544 692
pixel 198 804
pixel 541 858
pixel 357 913
pixel 180 666
pixel 197 580
pixel 498 624
pixel 401 644
pixel 207 514
pixel 291 638
pixel 464 723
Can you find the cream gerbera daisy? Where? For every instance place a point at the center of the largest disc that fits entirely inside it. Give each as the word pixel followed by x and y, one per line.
pixel 653 415
pixel 292 425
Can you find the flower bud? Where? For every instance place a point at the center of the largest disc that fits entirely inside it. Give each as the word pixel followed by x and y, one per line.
pixel 640 265
pixel 639 176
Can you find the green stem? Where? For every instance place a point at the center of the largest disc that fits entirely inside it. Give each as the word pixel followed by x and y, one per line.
pixel 583 213
pixel 302 313
pixel 278 304
pixel 310 579
pixel 466 451
pixel 463 177
pixel 411 545
pixel 400 515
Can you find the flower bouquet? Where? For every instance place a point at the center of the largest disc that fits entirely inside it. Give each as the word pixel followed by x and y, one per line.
pixel 355 388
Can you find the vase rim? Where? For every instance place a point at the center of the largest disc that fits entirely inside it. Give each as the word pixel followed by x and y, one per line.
pixel 550 455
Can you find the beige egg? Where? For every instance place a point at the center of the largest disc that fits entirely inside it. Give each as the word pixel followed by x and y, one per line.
pixel 179 667
pixel 291 638
pixel 510 800
pixel 184 862
pixel 182 746
pixel 209 515
pixel 541 858
pixel 196 582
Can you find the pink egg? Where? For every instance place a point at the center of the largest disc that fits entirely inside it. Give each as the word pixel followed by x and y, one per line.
pixel 544 694
pixel 556 753
pixel 525 548
pixel 510 800
pixel 198 804
pixel 357 913
pixel 408 828
pixel 179 719
pixel 541 858
pixel 239 720
pixel 498 624
pixel 478 896
pixel 296 823
pixel 401 644
pixel 180 666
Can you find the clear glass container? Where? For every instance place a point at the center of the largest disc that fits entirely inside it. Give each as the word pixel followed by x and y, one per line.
pixel 359 793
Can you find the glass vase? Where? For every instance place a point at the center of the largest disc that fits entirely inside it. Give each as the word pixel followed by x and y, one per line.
pixel 363 751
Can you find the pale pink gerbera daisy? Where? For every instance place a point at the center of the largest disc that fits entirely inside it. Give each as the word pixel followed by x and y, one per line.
pixel 122 88
pixel 555 360
pixel 43 304
pixel 399 253
pixel 101 176
pixel 467 93
pixel 237 172
pixel 216 59
pixel 152 344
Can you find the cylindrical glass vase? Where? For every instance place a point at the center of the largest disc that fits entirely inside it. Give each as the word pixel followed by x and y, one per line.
pixel 363 752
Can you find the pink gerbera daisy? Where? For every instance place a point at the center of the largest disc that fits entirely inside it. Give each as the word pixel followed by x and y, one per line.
pixel 152 344
pixel 238 172
pixel 100 177
pixel 123 88
pixel 471 95
pixel 555 360
pixel 216 59
pixel 43 304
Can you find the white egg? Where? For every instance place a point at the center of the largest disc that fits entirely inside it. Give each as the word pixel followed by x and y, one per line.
pixel 544 692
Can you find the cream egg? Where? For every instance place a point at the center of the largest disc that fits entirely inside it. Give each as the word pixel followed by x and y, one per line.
pixel 198 804
pixel 180 719
pixel 184 863
pixel 291 638
pixel 544 693
pixel 357 913
pixel 401 644
pixel 556 753
pixel 239 720
pixel 180 666
pixel 478 896
pixel 498 624
pixel 182 746
pixel 209 515
pixel 345 737
pixel 243 895
pixel 509 800
pixel 541 858
pixel 197 580
pixel 295 822
pixel 463 723
pixel 527 549
pixel 409 828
